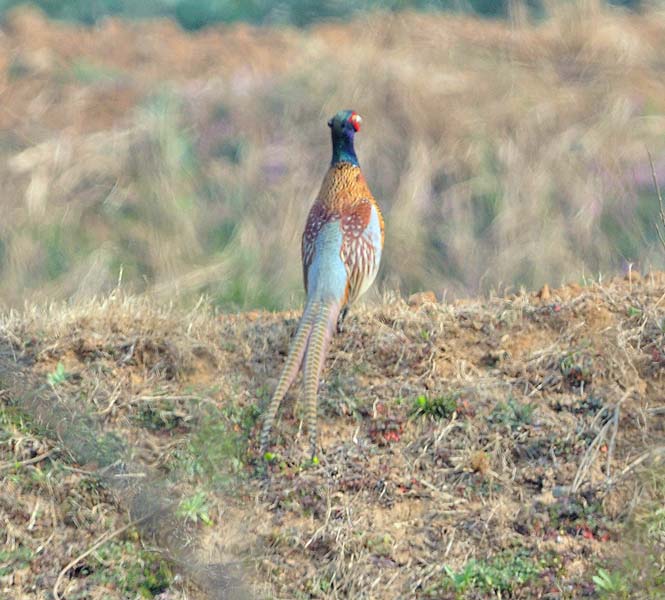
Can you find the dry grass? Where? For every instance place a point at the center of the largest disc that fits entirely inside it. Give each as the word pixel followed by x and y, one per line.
pixel 514 441
pixel 509 446
pixel 502 154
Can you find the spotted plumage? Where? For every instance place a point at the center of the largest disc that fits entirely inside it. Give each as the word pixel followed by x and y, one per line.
pixel 341 252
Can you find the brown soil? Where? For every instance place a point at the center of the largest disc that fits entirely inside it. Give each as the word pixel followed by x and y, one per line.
pixel 557 410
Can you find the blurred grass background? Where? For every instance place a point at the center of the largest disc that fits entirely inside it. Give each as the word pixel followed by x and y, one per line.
pixel 195 14
pixel 507 151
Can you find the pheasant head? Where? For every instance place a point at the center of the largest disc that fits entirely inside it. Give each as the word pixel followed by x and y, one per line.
pixel 343 127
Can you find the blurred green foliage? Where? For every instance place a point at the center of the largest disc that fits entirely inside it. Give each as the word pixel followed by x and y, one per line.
pixel 194 14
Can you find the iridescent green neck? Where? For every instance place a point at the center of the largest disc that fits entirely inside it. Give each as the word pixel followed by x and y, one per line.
pixel 343 150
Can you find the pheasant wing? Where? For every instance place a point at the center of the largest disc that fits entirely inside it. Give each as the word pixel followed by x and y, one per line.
pixel 362 231
pixel 316 219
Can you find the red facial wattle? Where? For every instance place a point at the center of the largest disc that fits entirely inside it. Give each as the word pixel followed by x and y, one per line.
pixel 355 120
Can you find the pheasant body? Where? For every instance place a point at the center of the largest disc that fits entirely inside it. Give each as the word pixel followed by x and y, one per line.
pixel 341 252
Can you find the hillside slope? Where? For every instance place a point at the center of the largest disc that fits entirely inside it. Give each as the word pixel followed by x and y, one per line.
pixel 510 446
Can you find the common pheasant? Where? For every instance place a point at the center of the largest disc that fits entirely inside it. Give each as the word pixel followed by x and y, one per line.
pixel 341 251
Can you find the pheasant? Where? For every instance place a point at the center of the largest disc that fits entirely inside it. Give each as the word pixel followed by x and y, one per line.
pixel 341 251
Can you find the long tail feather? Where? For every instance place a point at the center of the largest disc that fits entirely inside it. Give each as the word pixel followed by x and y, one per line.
pixel 293 362
pixel 322 329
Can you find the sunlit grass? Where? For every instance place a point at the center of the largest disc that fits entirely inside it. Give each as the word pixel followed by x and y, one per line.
pixel 503 156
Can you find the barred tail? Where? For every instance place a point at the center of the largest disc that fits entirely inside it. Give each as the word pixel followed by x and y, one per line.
pixel 293 362
pixel 322 329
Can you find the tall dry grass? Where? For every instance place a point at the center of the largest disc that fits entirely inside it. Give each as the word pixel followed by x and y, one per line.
pixel 503 154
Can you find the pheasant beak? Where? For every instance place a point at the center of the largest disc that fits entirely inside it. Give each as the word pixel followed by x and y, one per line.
pixel 355 119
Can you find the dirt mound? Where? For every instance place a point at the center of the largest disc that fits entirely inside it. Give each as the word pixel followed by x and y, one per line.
pixel 507 446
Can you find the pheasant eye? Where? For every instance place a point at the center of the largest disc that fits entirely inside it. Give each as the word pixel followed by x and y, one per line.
pixel 355 120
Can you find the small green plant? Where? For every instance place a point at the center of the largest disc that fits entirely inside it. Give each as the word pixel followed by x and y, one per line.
pixel 463 579
pixel 216 453
pixel 11 560
pixel 634 312
pixel 380 545
pixel 11 417
pixel 309 463
pixel 655 525
pixel 512 414
pixel 610 583
pixel 195 509
pixel 86 445
pixel 160 415
pixel 138 573
pixel 58 375
pixel 501 574
pixel 577 369
pixel 441 407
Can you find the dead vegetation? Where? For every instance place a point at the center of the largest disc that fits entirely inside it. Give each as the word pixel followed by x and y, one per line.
pixel 507 447
pixel 501 154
